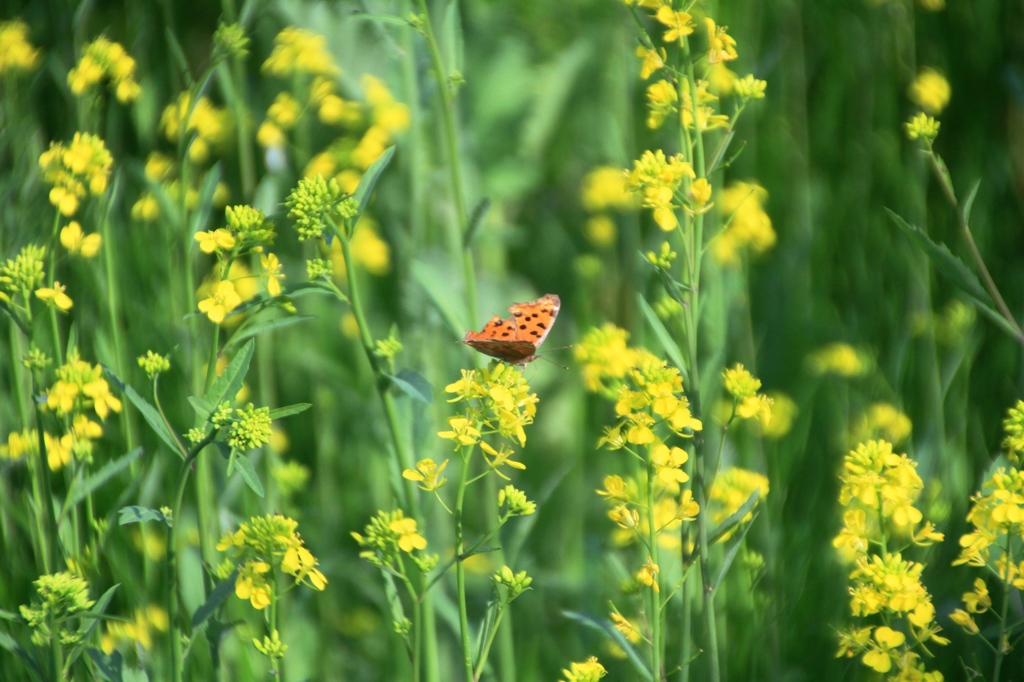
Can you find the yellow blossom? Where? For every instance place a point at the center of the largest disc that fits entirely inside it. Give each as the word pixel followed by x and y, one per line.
pixel 930 91
pixel 218 240
pixel 409 539
pixel 16 52
pixel 652 60
pixel 721 46
pixel 272 271
pixel 678 23
pixel 223 300
pixel 55 296
pixel 77 242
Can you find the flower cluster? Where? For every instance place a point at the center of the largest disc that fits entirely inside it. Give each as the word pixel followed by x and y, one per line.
pixel 388 536
pixel 997 517
pixel 154 363
pixel 747 403
pixel 263 544
pixel 77 242
pixel 250 428
pixel 24 273
pixel 878 490
pixel 297 51
pixel 497 401
pixel 747 224
pixel 207 126
pixel 103 59
pixel 63 597
pixel 658 180
pixel 16 52
pixel 930 91
pixel 75 170
pixel 315 203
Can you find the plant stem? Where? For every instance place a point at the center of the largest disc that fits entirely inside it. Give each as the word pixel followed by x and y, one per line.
pixel 460 570
pixel 404 458
pixel 979 262
pixel 58 351
pixel 652 539
pixel 1002 644
pixel 457 231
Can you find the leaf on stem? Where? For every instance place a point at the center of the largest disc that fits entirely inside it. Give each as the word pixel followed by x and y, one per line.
pixel 149 413
pixel 413 384
pixel 139 514
pixel 604 625
pixel 217 597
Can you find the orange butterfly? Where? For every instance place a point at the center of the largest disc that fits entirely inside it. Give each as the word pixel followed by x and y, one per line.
pixel 517 339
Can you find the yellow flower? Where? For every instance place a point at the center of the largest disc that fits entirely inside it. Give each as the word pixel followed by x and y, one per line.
pixel 668 462
pixel 272 271
pixel 463 432
pixel 16 52
pixel 930 91
pixel 221 302
pixel 297 51
pixel 652 60
pixel 75 170
pixel 600 231
pixel 55 296
pixel 218 240
pixel 251 584
pixel 409 539
pixel 678 23
pixel 588 671
pixel 964 620
pixel 749 87
pixel 648 574
pixel 879 658
pixel 285 111
pixel 721 46
pixel 101 59
pixel 428 474
pixel 77 242
pixel 784 411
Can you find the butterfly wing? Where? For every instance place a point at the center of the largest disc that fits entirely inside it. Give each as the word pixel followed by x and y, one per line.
pixel 515 340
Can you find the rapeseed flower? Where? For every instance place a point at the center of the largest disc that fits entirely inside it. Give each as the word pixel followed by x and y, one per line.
pixel 76 170
pixel 657 179
pixel 922 127
pixel 74 239
pixel 17 56
pixel 930 91
pixel 604 187
pixel 104 59
pixel 840 359
pixel 61 599
pixel 55 296
pixel 210 124
pixel 588 671
pixel 298 51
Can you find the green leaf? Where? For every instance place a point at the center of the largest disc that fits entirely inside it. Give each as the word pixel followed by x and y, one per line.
pixel 369 180
pixel 263 300
pixel 734 518
pixel 203 409
pixel 667 342
pixel 226 386
pixel 289 410
pixel 730 556
pixel 109 667
pixel 94 616
pixel 259 327
pixel 413 384
pixel 217 597
pixel 248 473
pixel 954 269
pixel 609 630
pixel 80 491
pixel 149 413
pixel 139 514
pixel 969 201
pixel 381 18
pixel 11 616
pixel 11 644
pixel 134 675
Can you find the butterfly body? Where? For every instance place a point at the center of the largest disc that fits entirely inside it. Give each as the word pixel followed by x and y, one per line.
pixel 515 340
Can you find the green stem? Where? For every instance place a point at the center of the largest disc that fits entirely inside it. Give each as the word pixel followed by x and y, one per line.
pixel 58 352
pixel 652 541
pixel 404 458
pixel 460 570
pixel 1002 644
pixel 979 262
pixel 487 645
pixel 456 232
pixel 51 533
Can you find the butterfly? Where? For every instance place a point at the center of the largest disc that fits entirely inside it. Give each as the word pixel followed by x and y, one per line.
pixel 517 339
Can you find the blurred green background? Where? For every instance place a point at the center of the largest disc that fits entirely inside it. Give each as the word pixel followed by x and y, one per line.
pixel 551 91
